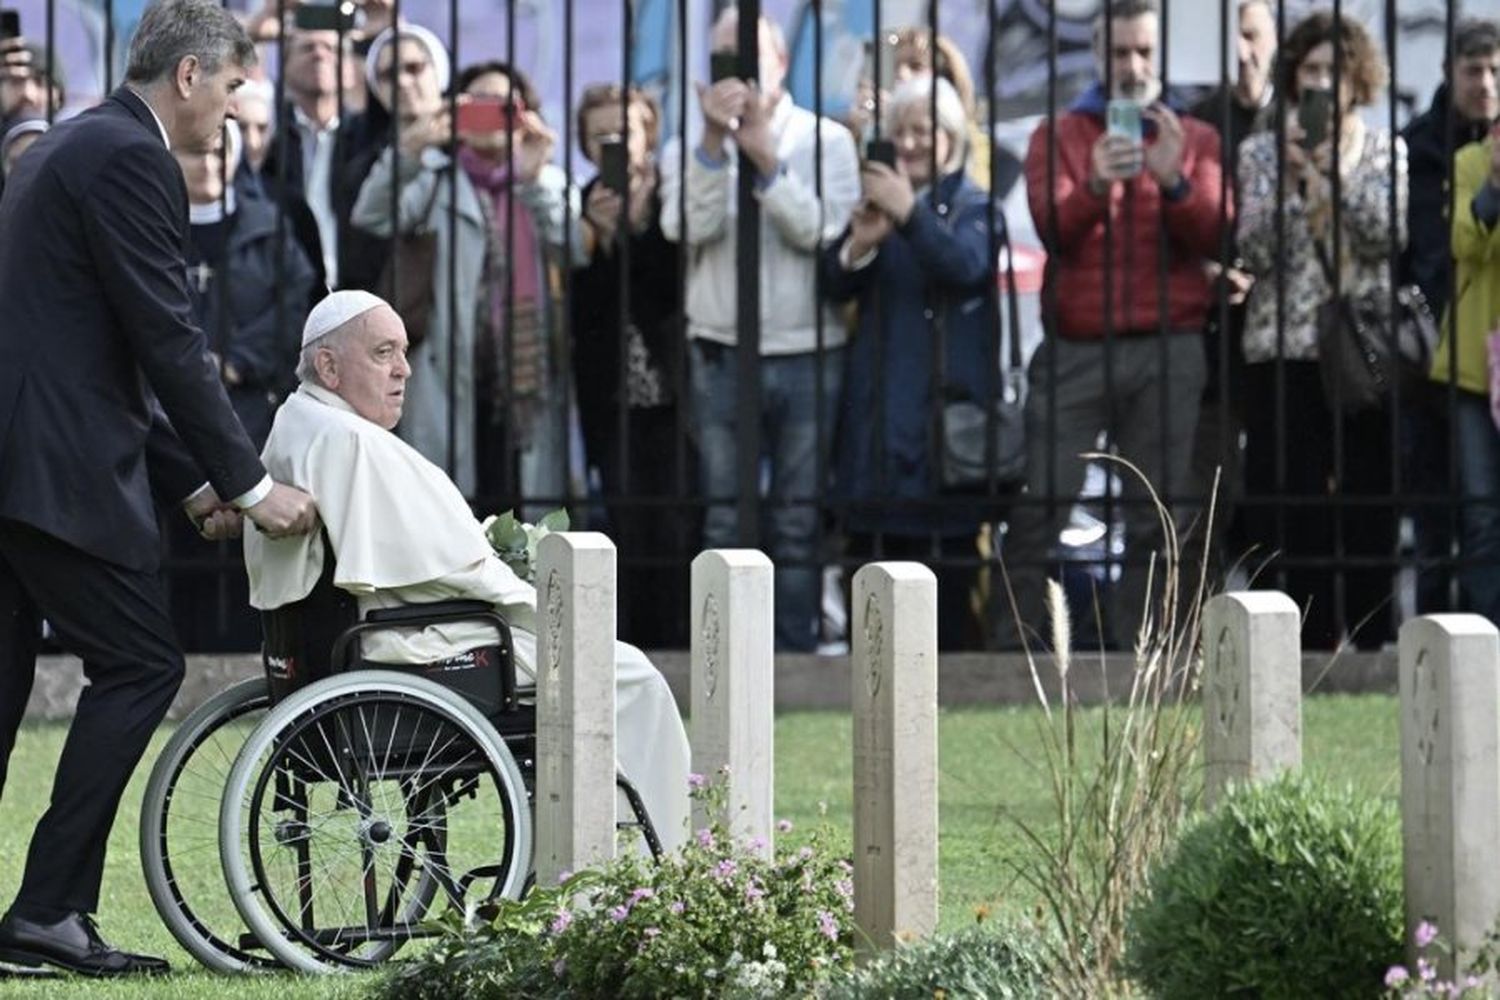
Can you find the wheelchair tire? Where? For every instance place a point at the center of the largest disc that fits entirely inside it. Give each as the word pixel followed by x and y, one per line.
pixel 331 793
pixel 190 775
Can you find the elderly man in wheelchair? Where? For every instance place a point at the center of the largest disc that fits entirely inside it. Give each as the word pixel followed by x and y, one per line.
pixel 388 772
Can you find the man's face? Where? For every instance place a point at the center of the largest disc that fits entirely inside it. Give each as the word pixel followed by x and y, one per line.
pixel 205 174
pixel 773 62
pixel 1476 87
pixel 207 100
pixel 312 64
pixel 1130 57
pixel 1257 48
pixel 26 94
pixel 367 366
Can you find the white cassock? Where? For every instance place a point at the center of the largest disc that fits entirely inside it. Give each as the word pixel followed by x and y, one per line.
pixel 403 534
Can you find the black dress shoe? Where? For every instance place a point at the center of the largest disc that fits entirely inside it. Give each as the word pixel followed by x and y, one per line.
pixel 72 943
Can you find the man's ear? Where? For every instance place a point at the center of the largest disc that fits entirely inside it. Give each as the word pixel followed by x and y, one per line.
pixel 188 76
pixel 327 367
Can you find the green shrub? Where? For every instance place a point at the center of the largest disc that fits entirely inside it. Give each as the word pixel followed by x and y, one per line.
pixel 979 963
pixel 1287 889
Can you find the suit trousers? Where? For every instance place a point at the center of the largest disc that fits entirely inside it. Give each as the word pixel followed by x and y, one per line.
pixel 116 620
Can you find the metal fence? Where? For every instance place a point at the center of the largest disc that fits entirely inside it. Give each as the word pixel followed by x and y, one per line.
pixel 548 399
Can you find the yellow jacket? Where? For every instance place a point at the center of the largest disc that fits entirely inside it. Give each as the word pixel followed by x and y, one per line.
pixel 1476 252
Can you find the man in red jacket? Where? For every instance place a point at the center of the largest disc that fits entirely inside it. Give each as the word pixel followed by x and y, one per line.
pixel 1128 223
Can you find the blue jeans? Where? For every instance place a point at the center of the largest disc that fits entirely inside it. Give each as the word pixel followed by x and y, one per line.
pixel 792 430
pixel 1479 472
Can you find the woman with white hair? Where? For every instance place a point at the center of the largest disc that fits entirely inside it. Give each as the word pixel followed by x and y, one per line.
pixel 917 258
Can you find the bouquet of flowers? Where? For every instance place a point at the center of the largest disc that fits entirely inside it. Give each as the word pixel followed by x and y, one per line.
pixel 515 541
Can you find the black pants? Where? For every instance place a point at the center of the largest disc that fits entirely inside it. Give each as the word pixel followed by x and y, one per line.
pixel 656 541
pixel 1324 501
pixel 115 619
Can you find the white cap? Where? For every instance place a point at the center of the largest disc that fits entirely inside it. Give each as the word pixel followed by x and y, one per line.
pixel 336 310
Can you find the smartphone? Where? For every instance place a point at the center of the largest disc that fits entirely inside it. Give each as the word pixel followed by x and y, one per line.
pixel 614 169
pixel 881 151
pixel 1314 116
pixel 881 71
pixel 483 116
pixel 723 65
pixel 325 17
pixel 1123 118
pixel 10 24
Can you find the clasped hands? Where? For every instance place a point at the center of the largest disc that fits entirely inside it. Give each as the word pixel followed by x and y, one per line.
pixel 283 512
pixel 738 110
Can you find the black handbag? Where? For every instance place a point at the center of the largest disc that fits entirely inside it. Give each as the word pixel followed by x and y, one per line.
pixel 1367 354
pixel 985 447
pixel 407 279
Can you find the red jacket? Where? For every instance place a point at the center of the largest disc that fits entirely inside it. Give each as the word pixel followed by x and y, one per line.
pixel 1077 246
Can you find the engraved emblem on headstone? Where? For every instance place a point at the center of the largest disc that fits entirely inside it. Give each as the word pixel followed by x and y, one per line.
pixel 874 641
pixel 553 665
pixel 1226 681
pixel 710 632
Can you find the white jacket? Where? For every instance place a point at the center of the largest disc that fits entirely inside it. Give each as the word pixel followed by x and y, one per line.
pixel 795 226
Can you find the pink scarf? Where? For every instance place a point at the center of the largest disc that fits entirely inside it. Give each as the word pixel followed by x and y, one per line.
pixel 492 180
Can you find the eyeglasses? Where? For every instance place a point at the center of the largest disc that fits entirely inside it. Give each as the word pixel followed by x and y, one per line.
pixel 415 67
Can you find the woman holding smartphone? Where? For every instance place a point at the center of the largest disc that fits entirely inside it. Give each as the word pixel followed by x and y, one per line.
pixel 508 203
pixel 917 259
pixel 1290 513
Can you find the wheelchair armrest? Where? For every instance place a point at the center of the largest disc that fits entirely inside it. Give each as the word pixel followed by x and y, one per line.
pixel 425 613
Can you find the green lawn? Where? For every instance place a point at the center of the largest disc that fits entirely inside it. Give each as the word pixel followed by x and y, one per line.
pixel 988 773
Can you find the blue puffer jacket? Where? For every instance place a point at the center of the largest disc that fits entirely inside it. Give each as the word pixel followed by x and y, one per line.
pixel 937 266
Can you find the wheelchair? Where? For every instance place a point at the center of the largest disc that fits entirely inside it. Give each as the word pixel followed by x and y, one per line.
pixel 347 804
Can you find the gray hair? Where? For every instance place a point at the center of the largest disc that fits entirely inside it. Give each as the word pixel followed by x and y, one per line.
pixel 307 362
pixel 950 113
pixel 172 30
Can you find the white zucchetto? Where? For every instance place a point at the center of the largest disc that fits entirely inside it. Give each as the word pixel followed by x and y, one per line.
pixel 336 310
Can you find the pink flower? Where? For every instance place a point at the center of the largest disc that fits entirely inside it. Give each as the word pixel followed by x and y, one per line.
pixel 619 913
pixel 652 932
pixel 1425 934
pixel 562 921
pixel 753 892
pixel 1396 975
pixel 844 887
pixel 828 925
pixel 725 869
pixel 639 894
pixel 705 837
pixel 784 825
pixel 696 780
pixel 1426 971
pixel 757 844
pixel 804 854
pixel 677 906
pixel 563 876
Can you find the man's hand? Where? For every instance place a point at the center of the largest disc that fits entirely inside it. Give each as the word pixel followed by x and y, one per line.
pixel 534 149
pixel 754 134
pixel 642 195
pixel 723 105
pixel 285 511
pixel 214 519
pixel 1164 156
pixel 1114 158
pixel 15 59
pixel 889 191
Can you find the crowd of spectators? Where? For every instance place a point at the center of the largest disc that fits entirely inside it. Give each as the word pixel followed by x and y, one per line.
pixel 575 341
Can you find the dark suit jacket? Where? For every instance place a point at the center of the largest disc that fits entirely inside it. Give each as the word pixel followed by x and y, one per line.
pixel 97 327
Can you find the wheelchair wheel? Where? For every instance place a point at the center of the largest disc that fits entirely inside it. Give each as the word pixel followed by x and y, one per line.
pixel 358 802
pixel 180 825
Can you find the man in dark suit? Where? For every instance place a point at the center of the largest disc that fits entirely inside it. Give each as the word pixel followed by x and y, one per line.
pixel 99 362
